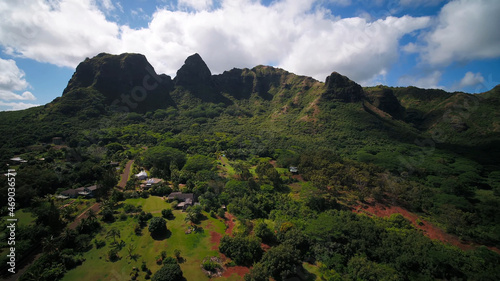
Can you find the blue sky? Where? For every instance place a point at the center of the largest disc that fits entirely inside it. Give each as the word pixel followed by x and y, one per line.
pixel 452 45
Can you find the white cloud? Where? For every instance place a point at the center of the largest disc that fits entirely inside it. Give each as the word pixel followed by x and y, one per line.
pixel 12 79
pixel 300 36
pixel 466 30
pixel 469 80
pixel 6 95
pixel 61 33
pixel 429 81
pixel 198 5
pixel 291 35
pixel 107 5
pixel 10 106
pixel 415 3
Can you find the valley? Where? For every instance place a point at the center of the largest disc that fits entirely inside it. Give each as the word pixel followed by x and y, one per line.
pixel 291 178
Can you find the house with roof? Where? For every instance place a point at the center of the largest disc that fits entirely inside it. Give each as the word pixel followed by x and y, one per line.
pixel 294 170
pixel 17 160
pixel 185 199
pixel 88 191
pixel 142 175
pixel 151 182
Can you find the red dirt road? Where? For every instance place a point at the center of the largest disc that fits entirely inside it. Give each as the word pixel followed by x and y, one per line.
pixel 428 229
pixel 84 215
pixel 125 174
pixel 215 240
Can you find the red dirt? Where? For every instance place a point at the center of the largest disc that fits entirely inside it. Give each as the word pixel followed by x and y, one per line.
pixel 215 240
pixel 428 229
pixel 84 215
pixel 239 270
pixel 125 174
pixel 229 223
pixel 298 177
pixel 265 247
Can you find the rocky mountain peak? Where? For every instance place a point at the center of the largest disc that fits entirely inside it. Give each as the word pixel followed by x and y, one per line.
pixel 194 72
pixel 340 87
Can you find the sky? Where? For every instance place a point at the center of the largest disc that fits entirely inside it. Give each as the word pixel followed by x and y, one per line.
pixel 450 45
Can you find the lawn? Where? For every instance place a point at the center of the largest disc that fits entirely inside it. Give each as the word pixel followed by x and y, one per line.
pixel 153 204
pixel 194 247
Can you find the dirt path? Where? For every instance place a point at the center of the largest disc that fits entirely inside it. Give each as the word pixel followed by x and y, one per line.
pixel 96 207
pixel 215 240
pixel 427 228
pixel 126 172
pixel 230 223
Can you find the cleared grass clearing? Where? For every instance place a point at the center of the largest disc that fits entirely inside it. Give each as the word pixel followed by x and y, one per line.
pixel 194 247
pixel 152 204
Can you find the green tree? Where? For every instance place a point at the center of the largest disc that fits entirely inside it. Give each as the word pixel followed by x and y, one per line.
pixel 280 261
pixel 168 272
pixel 113 233
pixel 199 162
pixel 157 226
pixel 167 213
pixel 244 250
pixel 161 158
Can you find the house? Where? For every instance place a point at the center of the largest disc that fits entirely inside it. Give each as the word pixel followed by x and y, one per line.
pixel 57 141
pixel 81 191
pixel 17 160
pixel 294 170
pixel 185 199
pixel 142 175
pixel 151 182
pixel 71 193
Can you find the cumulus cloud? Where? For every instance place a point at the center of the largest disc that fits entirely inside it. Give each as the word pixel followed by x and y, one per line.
pixel 11 77
pixel 299 36
pixel 58 32
pixel 470 81
pixel 195 4
pixel 12 80
pixel 429 81
pixel 415 3
pixel 466 30
pixel 10 106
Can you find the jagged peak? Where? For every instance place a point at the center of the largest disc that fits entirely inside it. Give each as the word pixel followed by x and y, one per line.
pixel 194 71
pixel 340 87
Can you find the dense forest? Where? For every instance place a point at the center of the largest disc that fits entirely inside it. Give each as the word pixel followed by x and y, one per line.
pixel 230 139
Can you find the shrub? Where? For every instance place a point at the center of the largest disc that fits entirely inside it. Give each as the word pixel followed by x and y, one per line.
pixel 167 213
pixel 168 272
pixel 210 265
pixel 157 226
pixel 244 250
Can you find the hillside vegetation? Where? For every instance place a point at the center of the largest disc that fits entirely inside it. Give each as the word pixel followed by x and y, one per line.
pixel 230 139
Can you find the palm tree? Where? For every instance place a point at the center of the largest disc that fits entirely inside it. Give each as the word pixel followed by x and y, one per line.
pixel 91 215
pixel 113 233
pixel 68 236
pixel 50 245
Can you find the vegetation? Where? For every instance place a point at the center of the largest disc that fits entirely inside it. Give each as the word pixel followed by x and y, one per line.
pixel 230 139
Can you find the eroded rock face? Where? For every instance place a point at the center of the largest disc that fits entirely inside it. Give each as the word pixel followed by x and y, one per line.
pixel 385 100
pixel 194 72
pixel 126 80
pixel 339 87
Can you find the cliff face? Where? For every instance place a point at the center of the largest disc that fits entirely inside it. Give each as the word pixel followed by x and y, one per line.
pixel 123 81
pixel 384 99
pixel 339 87
pixel 128 83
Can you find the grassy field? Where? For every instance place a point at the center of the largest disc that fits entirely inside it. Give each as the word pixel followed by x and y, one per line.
pixel 194 247
pixel 153 204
